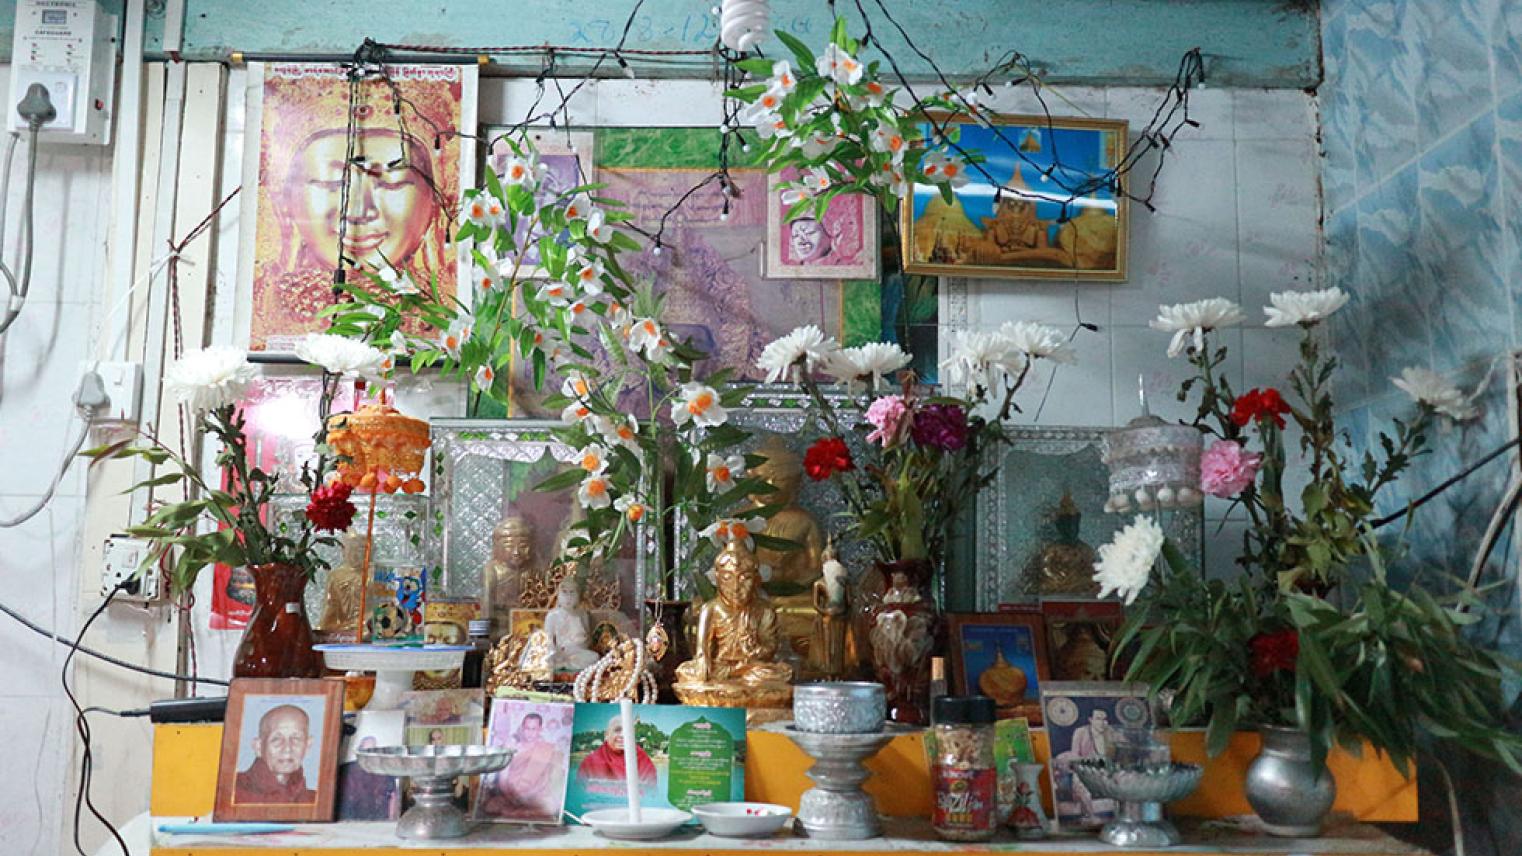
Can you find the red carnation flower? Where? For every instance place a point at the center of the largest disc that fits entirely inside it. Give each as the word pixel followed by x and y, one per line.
pixel 1259 404
pixel 330 509
pixel 827 457
pixel 1274 652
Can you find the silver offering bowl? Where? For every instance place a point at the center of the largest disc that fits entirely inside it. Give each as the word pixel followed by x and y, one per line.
pixel 836 807
pixel 433 770
pixel 1141 790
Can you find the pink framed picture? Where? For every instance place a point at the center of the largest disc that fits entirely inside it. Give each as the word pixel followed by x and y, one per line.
pixel 841 243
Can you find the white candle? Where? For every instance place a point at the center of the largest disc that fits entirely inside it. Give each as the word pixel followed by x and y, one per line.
pixel 631 756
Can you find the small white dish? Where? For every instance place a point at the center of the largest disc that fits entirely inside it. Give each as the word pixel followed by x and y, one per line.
pixel 742 819
pixel 654 822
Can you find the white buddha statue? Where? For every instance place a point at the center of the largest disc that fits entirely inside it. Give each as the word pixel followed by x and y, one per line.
pixel 570 630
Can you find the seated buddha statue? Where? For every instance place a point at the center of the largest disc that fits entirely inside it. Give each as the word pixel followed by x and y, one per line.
pixel 512 557
pixel 340 609
pixel 734 662
pixel 783 470
pixel 1065 564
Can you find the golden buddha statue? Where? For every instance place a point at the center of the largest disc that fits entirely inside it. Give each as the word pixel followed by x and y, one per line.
pixel 1065 564
pixel 512 558
pixel 735 663
pixel 340 611
pixel 830 641
pixel 783 470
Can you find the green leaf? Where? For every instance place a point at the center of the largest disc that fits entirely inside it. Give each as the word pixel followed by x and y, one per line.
pixel 800 51
pixel 560 481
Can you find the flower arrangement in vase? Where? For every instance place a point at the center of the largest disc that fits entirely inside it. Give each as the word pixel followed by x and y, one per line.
pixel 926 456
pixel 1313 645
pixel 230 523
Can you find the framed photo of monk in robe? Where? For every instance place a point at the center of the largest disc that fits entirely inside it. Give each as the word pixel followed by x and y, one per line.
pixel 280 750
pixel 1045 202
pixel 368 180
pixel 531 788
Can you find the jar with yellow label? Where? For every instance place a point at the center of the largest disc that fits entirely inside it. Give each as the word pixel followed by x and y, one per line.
pixel 962 770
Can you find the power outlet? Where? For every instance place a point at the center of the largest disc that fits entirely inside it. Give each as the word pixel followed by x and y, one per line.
pixel 120 563
pixel 123 382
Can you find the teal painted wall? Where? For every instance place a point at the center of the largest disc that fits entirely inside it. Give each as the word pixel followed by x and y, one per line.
pixel 1272 43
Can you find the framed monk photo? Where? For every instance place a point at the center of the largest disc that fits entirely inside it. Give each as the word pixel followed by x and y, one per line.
pixel 280 750
pixel 1044 203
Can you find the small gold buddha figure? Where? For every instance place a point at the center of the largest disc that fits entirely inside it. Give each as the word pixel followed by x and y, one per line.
pixel 832 620
pixel 783 470
pixel 1065 564
pixel 512 557
pixel 735 655
pixel 340 610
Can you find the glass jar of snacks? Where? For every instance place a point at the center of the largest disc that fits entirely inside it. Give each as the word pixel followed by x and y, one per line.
pixel 962 770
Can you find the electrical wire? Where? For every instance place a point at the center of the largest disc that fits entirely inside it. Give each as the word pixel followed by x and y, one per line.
pixel 1447 483
pixel 19 291
pixel 82 799
pixel 155 673
pixel 63 469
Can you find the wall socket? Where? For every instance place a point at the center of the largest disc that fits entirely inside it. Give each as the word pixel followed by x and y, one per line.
pixel 120 561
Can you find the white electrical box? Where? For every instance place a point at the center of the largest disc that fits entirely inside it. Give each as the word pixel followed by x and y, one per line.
pixel 68 46
pixel 121 563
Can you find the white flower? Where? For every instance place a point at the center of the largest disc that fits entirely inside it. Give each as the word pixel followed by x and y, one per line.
pixel 723 471
pixel 769 125
pixel 815 144
pixel 940 168
pixel 839 65
pixel 399 343
pixel 1430 389
pixel 593 492
pixel 981 358
pixel 455 337
pixel 698 404
pixel 1303 307
pixel 812 183
pixel 485 375
pixel 589 276
pixel 522 171
pixel 728 529
pixel 575 413
pixel 593 459
pixel 782 76
pixel 888 140
pixel 619 432
pixel 555 293
pixel 399 281
pixel 891 175
pixel 1125 564
pixel 876 95
pixel 210 377
pixel 579 208
pixel 598 228
pixel 481 209
pixel 646 337
pixel 866 364
pixel 487 278
pixel 1039 341
pixel 807 344
pixel 341 355
pixel 1186 320
pixel 576 387
pixel 632 508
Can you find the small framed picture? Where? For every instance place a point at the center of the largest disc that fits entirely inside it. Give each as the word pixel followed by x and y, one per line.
pixel 1003 656
pixel 841 243
pixel 1081 636
pixel 531 788
pixel 280 750
pixel 1085 719
pixel 363 795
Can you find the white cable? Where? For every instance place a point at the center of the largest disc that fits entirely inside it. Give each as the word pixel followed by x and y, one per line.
pixel 743 23
pixel 19 289
pixel 89 398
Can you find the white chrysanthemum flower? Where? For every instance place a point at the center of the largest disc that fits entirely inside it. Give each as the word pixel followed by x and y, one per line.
pixel 866 364
pixel 982 358
pixel 1125 564
pixel 1430 389
pixel 1303 307
pixel 1039 341
pixel 807 344
pixel 209 378
pixel 1188 321
pixel 341 355
pixel 698 404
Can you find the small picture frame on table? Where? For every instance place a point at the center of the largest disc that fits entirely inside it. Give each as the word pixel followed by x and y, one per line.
pixel 1003 656
pixel 280 746
pixel 1085 719
pixel 1081 637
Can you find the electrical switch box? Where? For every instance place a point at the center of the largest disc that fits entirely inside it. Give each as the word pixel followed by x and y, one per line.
pixel 68 46
pixel 120 561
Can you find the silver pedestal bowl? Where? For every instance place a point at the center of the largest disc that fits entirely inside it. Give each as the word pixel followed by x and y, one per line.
pixel 433 770
pixel 1141 791
pixel 836 808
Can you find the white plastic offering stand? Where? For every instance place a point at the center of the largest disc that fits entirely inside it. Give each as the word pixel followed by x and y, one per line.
pixel 393 666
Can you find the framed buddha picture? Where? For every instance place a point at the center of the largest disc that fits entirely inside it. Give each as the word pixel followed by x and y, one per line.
pixel 1044 202
pixel 1003 656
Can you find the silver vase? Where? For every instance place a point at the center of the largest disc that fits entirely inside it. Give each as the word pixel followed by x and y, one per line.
pixel 1290 794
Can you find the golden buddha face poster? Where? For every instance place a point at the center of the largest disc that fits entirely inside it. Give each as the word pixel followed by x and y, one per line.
pixel 403 185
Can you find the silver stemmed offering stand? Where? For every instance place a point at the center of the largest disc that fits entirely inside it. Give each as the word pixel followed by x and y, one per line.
pixel 836 807
pixel 1141 790
pixel 433 770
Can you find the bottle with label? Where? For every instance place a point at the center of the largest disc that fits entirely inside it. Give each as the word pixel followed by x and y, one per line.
pixel 479 639
pixel 962 770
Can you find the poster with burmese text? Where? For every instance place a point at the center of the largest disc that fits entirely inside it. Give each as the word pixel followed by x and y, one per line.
pixel 392 206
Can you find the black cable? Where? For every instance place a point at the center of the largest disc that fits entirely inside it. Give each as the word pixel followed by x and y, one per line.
pixel 82 798
pixel 99 656
pixel 1448 483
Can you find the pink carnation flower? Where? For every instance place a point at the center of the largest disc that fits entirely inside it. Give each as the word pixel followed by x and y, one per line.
pixel 1226 469
pixel 892 419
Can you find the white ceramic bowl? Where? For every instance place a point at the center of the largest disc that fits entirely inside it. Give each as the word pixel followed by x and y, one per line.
pixel 654 822
pixel 742 819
